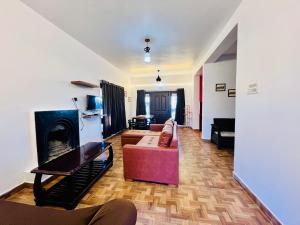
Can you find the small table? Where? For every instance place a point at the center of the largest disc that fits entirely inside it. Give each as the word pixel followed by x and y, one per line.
pixel 141 122
pixel 80 169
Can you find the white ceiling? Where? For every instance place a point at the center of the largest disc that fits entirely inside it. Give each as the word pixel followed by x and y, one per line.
pixel 115 29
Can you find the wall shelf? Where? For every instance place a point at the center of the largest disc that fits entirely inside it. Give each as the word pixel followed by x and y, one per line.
pixel 84 84
pixel 85 116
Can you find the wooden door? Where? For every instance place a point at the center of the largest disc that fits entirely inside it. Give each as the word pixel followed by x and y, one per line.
pixel 160 105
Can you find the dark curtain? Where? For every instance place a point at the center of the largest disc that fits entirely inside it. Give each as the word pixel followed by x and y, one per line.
pixel 140 103
pixel 114 118
pixel 180 107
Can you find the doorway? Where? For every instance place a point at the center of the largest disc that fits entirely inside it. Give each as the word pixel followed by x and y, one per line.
pixel 219 85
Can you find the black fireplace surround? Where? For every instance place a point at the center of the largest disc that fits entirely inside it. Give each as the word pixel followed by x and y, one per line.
pixel 57 132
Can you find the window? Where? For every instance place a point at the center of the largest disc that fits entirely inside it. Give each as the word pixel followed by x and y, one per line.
pixel 101 102
pixel 173 105
pixel 147 103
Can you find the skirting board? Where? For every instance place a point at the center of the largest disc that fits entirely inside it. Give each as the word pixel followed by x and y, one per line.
pixel 24 185
pixel 15 190
pixel 113 135
pixel 272 218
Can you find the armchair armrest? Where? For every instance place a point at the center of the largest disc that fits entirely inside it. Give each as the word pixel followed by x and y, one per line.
pixel 215 127
pixel 156 127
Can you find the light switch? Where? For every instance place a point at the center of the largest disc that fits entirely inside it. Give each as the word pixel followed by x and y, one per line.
pixel 252 89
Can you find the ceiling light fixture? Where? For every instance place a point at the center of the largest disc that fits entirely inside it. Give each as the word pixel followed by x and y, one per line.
pixel 158 79
pixel 147 56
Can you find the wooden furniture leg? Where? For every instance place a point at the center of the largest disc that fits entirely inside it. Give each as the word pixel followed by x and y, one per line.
pixel 38 190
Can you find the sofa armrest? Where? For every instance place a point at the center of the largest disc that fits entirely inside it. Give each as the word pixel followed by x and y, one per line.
pixel 153 150
pixel 156 127
pixel 156 164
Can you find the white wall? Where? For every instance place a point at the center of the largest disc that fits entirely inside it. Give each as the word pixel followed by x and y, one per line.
pixel 37 63
pixel 196 103
pixel 171 83
pixel 267 154
pixel 217 104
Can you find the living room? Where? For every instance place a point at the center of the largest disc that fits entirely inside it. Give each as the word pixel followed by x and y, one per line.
pixel 47 45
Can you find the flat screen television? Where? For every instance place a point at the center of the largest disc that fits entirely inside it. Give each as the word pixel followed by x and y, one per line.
pixel 93 103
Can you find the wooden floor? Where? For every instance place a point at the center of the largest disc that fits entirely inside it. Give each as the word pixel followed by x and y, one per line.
pixel 207 193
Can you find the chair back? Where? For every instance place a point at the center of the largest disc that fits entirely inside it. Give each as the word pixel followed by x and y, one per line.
pixel 225 124
pixel 141 123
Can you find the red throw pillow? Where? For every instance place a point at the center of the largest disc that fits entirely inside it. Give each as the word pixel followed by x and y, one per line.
pixel 166 136
pixel 169 122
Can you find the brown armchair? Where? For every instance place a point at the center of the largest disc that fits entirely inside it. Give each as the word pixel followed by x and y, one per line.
pixel 115 212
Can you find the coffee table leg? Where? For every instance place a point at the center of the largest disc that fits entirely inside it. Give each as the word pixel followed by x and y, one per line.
pixel 111 154
pixel 38 190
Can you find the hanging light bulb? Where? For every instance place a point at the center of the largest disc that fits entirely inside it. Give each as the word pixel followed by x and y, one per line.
pixel 147 56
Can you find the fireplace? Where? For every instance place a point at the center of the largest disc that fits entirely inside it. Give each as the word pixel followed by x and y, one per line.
pixel 57 133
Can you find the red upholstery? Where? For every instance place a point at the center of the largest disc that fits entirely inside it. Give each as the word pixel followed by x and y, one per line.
pixel 134 136
pixel 154 164
pixel 169 122
pixel 156 127
pixel 149 141
pixel 149 163
pixel 174 141
pixel 166 136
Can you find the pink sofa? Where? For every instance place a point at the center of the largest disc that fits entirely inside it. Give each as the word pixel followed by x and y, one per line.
pixel 134 136
pixel 148 162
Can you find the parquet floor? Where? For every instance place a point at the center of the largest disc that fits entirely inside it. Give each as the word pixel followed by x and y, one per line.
pixel 207 194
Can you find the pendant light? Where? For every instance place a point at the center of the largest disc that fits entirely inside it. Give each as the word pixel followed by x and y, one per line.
pixel 147 56
pixel 158 79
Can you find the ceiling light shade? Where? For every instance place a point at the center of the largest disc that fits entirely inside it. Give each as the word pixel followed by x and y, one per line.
pixel 147 56
pixel 158 79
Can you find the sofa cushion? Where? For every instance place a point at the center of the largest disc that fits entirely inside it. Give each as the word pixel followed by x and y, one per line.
pixel 166 136
pixel 169 122
pixel 226 133
pixel 140 133
pixel 148 141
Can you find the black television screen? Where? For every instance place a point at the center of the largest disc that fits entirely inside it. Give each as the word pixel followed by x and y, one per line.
pixel 93 102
